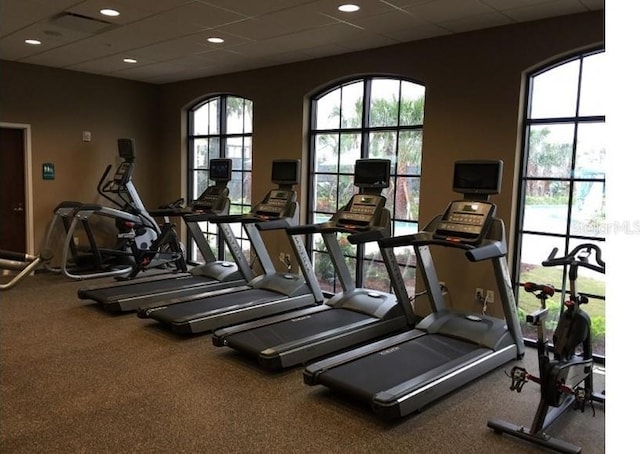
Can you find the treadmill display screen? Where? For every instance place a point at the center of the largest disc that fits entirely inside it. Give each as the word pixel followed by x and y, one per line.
pixel 477 177
pixel 285 171
pixel 220 169
pixel 372 173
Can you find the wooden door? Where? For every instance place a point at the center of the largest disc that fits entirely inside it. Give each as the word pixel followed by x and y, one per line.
pixel 12 190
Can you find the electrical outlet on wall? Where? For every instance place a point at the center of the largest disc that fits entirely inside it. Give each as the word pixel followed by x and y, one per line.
pixel 489 297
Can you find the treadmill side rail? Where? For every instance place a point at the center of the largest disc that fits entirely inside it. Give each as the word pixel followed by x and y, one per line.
pixel 412 397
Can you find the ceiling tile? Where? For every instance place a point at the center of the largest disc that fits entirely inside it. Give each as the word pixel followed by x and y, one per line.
pixel 387 22
pixel 168 37
pixel 548 9
pixel 254 8
pixel 501 5
pixel 367 8
pixel 253 29
pixel 469 23
pixel 416 33
pixel 13 47
pixel 15 15
pixel 129 11
pixel 439 11
pixel 167 50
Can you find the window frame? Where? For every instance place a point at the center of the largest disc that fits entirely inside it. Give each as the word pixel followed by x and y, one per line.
pixel 364 131
pixel 238 174
pixel 567 236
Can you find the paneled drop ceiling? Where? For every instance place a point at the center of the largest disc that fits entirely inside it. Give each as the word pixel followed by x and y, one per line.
pixel 168 38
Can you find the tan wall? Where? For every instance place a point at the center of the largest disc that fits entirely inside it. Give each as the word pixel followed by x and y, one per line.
pixel 473 81
pixel 59 105
pixel 473 84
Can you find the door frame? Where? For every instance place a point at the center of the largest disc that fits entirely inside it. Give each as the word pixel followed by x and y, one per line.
pixel 28 183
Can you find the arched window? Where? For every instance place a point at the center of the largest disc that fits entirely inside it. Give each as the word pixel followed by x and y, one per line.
pixel 371 117
pixel 221 127
pixel 562 181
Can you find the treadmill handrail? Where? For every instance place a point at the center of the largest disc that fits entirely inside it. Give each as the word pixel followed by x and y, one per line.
pixel 367 236
pixel 228 218
pixel 487 250
pixel 273 224
pixel 355 236
pixel 200 216
pixel 399 241
pixel 247 218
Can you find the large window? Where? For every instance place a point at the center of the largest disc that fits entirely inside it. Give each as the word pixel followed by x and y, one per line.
pixel 562 186
pixel 221 127
pixel 374 117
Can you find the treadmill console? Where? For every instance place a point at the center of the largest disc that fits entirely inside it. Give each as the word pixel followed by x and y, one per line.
pixel 212 199
pixel 465 221
pixel 361 213
pixel 275 205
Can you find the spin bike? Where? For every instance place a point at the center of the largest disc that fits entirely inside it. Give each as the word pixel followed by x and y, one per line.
pixel 566 380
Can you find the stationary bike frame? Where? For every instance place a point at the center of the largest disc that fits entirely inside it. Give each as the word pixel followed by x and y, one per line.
pixel 566 380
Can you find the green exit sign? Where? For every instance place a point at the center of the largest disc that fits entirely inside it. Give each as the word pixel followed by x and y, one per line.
pixel 48 171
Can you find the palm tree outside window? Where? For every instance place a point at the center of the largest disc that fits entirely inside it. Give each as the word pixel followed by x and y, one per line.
pixel 220 127
pixel 561 199
pixel 370 117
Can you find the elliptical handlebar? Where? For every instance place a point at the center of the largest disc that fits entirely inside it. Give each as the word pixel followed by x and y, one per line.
pixel 579 256
pixel 102 187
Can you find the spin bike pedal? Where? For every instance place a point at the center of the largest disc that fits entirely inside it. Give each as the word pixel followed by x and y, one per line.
pixel 519 376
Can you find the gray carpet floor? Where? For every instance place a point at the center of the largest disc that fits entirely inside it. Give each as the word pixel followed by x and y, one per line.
pixel 75 379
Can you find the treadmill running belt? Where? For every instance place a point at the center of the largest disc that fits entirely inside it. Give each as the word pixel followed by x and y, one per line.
pixel 107 294
pixel 382 370
pixel 191 310
pixel 269 336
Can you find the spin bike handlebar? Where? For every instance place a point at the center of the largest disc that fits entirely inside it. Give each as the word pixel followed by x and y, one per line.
pixel 579 256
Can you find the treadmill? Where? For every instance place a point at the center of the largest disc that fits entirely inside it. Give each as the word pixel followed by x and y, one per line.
pixel 401 374
pixel 351 317
pixel 270 293
pixel 213 274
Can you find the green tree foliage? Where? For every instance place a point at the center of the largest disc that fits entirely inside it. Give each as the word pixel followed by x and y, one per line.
pixel 545 159
pixel 403 148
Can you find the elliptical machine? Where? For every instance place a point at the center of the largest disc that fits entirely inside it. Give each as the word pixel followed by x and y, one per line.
pixel 141 242
pixel 566 380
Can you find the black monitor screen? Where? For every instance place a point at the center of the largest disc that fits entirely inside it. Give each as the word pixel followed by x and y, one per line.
pixel 285 171
pixel 372 173
pixel 220 169
pixel 477 177
pixel 126 149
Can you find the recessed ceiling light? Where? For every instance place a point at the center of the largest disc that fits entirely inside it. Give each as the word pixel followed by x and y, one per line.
pixel 33 42
pixel 109 12
pixel 130 60
pixel 215 40
pixel 348 8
